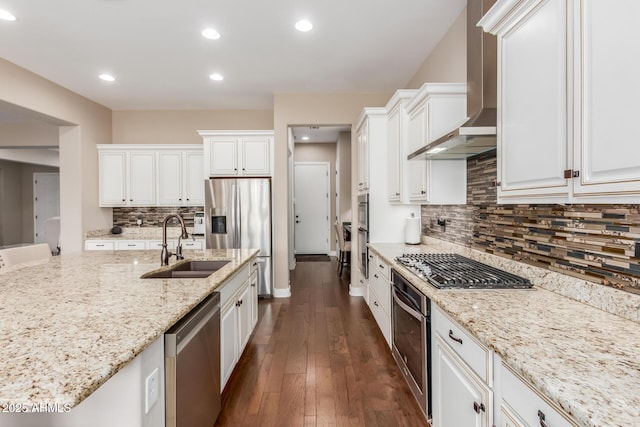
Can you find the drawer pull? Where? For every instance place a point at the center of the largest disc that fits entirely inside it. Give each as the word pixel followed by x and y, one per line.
pixel 453 337
pixel 478 407
pixel 376 303
pixel 375 275
pixel 381 266
pixel 100 246
pixel 542 417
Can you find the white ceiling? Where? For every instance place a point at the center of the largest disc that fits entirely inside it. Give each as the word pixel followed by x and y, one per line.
pixel 161 61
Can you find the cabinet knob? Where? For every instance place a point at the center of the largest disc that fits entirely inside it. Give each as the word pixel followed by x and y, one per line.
pixel 131 200
pixel 179 200
pixel 187 200
pixel 397 194
pixel 478 407
pixel 124 200
pixel 423 192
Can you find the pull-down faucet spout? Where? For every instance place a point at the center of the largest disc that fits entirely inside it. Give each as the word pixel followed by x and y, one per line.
pixel 165 254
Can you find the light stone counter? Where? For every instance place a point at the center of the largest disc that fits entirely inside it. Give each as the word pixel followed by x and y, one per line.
pixel 582 358
pixel 68 325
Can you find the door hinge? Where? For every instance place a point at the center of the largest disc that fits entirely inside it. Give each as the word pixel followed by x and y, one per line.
pixel 570 173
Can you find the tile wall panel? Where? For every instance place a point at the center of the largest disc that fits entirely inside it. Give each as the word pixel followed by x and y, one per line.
pixel 593 242
pixel 153 216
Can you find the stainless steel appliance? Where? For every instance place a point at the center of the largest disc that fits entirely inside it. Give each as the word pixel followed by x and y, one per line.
pixel 192 367
pixel 238 215
pixel 453 271
pixel 412 338
pixel 198 224
pixel 363 233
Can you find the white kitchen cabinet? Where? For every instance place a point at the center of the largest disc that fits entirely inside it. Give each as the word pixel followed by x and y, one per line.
pixel 362 136
pixel 127 177
pixel 181 177
pixel 397 145
pixel 462 375
pixel 253 300
pixel 434 110
pixel 566 107
pixel 380 296
pixel 140 244
pixel 523 406
pixel 99 245
pixel 237 153
pixel 238 300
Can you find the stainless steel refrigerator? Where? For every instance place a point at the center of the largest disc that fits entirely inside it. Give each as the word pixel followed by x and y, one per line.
pixel 238 215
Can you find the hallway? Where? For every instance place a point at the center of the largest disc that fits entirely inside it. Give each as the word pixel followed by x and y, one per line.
pixel 317 358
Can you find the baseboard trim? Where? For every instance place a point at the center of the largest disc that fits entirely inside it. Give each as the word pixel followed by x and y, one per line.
pixel 356 291
pixel 332 253
pixel 282 293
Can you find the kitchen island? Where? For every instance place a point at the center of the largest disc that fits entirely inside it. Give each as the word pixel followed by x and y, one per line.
pixel 582 359
pixel 69 325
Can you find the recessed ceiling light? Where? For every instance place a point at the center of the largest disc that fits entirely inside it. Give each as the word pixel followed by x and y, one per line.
pixel 211 34
pixel 305 138
pixel 107 77
pixel 7 16
pixel 304 25
pixel 216 77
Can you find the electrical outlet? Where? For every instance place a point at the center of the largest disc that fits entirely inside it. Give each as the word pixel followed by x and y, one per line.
pixel 151 390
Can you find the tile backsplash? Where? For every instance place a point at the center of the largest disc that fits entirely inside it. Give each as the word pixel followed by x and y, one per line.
pixel 153 216
pixel 592 242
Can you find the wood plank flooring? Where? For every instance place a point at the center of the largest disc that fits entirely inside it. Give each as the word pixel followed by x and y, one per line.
pixel 317 359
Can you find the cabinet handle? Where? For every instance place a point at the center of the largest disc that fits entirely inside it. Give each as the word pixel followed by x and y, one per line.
pixel 179 200
pixel 453 337
pixel 542 417
pixel 131 245
pixel 423 192
pixel 376 303
pixel 478 407
pixel 100 246
pixel 375 275
pixel 187 200
pixel 124 200
pixel 131 200
pixel 570 173
pixel 497 183
pixel 381 266
pixel 397 194
pixel 253 283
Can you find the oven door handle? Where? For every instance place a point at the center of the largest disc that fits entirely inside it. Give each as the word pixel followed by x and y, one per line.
pixel 397 297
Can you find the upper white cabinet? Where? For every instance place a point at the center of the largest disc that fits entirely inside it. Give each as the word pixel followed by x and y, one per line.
pixel 181 177
pixel 434 110
pixel 566 103
pixel 151 175
pixel 127 177
pixel 362 138
pixel 397 145
pixel 237 153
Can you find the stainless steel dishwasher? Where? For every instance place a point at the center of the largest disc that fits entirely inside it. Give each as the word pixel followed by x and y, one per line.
pixel 192 367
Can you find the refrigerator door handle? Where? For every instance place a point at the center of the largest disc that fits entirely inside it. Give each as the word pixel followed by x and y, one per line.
pixel 238 218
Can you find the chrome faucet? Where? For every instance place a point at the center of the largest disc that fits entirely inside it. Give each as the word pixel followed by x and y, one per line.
pixel 164 256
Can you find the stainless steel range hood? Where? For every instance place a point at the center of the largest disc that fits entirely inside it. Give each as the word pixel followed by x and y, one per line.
pixel 478 133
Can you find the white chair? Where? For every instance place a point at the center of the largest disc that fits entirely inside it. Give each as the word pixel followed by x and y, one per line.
pixel 24 254
pixel 344 249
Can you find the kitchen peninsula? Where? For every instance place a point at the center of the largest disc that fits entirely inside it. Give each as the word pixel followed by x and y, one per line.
pixel 69 325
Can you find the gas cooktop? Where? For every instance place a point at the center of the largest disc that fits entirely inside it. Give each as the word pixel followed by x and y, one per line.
pixel 453 271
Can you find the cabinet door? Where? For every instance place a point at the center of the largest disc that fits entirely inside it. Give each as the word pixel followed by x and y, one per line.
pixel 394 138
pixel 224 156
pixel 228 343
pixel 363 163
pixel 112 178
pixel 142 178
pixel 459 397
pixel 532 104
pixel 170 180
pixel 417 169
pixel 253 298
pixel 194 178
pixel 244 318
pixel 607 153
pixel 256 155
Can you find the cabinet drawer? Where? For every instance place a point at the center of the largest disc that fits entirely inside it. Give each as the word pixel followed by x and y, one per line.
pixel 474 354
pixel 131 245
pixel 382 318
pixel 192 244
pixel 383 268
pixel 98 246
pixel 157 244
pixel 381 286
pixel 528 404
pixel 232 285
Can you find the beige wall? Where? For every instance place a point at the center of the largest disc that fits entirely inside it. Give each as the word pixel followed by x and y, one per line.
pixel 299 109
pixel 30 134
pixel 344 172
pixel 447 62
pixel 322 152
pixel 181 126
pixel 89 124
pixel 16 201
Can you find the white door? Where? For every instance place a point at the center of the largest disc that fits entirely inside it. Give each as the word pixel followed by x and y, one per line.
pixel 311 214
pixel 46 205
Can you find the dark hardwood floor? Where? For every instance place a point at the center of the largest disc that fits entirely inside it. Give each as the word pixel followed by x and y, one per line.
pixel 317 358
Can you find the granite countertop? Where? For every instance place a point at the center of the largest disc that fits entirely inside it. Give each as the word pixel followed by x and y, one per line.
pixel 580 357
pixel 70 324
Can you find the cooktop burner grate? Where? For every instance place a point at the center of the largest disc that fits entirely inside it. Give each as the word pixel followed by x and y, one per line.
pixel 453 271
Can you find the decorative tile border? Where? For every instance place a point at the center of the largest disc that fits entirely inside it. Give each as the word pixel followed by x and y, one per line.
pixel 592 242
pixel 153 216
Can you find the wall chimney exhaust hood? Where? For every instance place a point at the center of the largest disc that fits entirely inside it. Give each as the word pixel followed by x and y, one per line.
pixel 478 133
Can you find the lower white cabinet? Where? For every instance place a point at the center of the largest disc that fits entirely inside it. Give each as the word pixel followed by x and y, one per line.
pixel 521 405
pixel 461 376
pixel 140 244
pixel 238 317
pixel 380 295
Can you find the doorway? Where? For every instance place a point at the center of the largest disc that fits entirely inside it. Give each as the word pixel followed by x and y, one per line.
pixel 311 211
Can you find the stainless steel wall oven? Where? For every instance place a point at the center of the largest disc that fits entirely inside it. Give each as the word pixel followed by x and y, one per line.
pixel 411 323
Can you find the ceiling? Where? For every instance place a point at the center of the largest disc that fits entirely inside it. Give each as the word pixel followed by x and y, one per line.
pixel 160 60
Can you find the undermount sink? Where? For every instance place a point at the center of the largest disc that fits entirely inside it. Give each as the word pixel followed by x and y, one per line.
pixel 187 270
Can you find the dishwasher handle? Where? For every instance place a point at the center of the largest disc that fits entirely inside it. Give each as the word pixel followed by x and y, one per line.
pixel 179 335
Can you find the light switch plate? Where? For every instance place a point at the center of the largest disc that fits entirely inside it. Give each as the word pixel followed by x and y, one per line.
pixel 151 390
